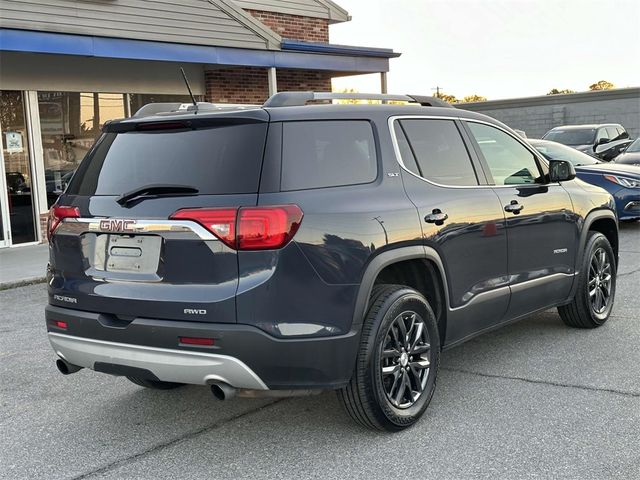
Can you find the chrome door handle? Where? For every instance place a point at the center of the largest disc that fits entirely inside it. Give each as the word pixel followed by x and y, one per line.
pixel 513 207
pixel 436 216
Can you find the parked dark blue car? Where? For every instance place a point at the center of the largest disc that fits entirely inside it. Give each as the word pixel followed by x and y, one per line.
pixel 622 181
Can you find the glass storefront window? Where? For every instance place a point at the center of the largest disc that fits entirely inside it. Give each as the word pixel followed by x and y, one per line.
pixel 70 122
pixel 18 200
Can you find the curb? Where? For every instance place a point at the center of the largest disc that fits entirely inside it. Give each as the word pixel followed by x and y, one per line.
pixel 22 283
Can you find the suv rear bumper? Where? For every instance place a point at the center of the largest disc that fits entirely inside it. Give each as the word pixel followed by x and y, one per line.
pixel 167 365
pixel 242 356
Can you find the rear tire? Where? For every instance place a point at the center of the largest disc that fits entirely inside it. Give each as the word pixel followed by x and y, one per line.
pixel 395 373
pixel 154 384
pixel 593 300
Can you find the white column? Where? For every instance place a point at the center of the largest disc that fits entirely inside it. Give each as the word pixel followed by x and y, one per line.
pixel 39 183
pixel 273 82
pixel 383 82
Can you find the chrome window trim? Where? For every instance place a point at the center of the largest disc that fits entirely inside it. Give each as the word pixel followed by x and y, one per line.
pixel 81 225
pixel 396 149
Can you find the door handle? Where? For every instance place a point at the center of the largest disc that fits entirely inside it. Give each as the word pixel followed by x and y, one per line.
pixel 436 216
pixel 513 207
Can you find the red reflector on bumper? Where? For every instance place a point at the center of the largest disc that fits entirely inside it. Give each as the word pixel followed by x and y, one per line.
pixel 59 324
pixel 205 342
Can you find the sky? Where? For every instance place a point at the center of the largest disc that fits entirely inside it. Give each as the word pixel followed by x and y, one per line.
pixel 495 48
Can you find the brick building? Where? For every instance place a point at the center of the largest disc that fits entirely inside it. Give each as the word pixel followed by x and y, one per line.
pixel 68 66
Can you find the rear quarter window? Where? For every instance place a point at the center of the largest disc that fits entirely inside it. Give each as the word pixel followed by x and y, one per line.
pixel 320 154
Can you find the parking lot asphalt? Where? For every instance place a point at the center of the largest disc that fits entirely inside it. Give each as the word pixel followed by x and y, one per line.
pixel 535 399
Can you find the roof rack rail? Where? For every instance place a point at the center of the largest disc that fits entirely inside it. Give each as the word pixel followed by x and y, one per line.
pixel 298 99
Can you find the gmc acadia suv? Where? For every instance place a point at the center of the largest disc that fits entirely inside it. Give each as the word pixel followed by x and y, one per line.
pixel 289 248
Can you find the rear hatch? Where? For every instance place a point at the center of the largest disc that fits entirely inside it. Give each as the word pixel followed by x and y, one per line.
pixel 118 251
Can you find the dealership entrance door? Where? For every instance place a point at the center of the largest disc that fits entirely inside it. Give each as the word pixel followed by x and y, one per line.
pixel 18 214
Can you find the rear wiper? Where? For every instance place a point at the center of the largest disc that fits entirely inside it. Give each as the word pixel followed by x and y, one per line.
pixel 157 189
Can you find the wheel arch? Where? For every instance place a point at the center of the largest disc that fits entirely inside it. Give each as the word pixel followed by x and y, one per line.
pixel 418 267
pixel 603 221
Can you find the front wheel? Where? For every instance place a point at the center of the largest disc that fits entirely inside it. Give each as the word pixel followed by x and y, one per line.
pixel 395 373
pixel 593 301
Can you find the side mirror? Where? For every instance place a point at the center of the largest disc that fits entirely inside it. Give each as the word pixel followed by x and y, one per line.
pixel 602 141
pixel 561 171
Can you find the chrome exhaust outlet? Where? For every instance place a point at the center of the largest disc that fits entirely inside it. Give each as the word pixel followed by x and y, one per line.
pixel 223 391
pixel 66 368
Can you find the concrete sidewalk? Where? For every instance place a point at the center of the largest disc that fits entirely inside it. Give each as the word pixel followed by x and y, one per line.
pixel 22 265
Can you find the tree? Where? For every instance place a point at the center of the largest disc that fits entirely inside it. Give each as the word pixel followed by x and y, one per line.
pixel 447 98
pixel 474 98
pixel 602 85
pixel 555 91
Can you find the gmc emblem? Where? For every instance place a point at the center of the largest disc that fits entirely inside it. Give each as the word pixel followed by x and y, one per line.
pixel 111 225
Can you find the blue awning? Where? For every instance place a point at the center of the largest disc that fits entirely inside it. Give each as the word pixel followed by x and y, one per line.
pixel 338 58
pixel 330 48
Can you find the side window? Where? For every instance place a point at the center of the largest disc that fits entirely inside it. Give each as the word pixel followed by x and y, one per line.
pixel 318 154
pixel 439 151
pixel 622 133
pixel 408 159
pixel 613 133
pixel 509 161
pixel 602 133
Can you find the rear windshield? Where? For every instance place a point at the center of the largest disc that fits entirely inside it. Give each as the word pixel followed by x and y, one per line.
pixel 584 136
pixel 219 160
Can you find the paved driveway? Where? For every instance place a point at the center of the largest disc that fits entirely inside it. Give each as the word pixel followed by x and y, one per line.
pixel 533 400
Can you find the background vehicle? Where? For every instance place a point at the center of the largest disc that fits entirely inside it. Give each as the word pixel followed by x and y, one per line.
pixel 631 155
pixel 300 247
pixel 622 181
pixel 603 141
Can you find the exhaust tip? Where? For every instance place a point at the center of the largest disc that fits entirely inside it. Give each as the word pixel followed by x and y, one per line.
pixel 222 391
pixel 66 368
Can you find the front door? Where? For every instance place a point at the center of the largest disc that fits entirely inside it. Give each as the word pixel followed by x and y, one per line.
pixel 18 217
pixel 541 226
pixel 461 219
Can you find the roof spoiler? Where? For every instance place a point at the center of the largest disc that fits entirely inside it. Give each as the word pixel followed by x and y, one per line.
pixel 173 108
pixel 298 99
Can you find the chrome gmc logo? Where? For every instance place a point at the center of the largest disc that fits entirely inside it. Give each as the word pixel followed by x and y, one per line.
pixel 111 225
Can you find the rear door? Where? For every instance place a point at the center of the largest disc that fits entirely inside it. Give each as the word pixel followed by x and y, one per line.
pixel 542 229
pixel 461 219
pixel 128 259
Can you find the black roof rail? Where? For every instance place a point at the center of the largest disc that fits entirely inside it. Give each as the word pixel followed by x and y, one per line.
pixel 298 99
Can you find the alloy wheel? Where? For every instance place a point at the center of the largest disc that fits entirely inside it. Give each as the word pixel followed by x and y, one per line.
pixel 599 284
pixel 404 359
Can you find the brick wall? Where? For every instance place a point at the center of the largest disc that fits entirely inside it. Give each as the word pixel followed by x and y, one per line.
pixel 250 84
pixel 236 85
pixel 294 27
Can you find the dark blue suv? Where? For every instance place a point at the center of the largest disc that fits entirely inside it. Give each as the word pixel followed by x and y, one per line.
pixel 289 248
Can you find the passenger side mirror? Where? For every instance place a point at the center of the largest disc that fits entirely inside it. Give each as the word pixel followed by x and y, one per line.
pixel 561 171
pixel 602 141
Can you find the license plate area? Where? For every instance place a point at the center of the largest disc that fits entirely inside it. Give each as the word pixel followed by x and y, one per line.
pixel 135 254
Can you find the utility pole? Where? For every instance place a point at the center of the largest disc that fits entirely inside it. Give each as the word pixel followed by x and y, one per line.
pixel 437 89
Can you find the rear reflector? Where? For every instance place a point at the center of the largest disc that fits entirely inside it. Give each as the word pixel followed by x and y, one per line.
pixel 247 228
pixel 57 213
pixel 205 342
pixel 58 324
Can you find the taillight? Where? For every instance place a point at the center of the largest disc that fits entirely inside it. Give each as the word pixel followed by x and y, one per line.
pixel 247 228
pixel 56 214
pixel 219 221
pixel 267 228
